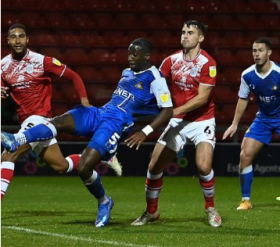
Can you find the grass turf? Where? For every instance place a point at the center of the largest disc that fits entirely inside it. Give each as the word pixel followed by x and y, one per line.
pixel 58 211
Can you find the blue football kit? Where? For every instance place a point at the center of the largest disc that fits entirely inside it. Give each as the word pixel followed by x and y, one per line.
pixel 137 94
pixel 266 88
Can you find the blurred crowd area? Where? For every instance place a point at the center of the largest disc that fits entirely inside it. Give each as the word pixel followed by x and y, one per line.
pixel 92 36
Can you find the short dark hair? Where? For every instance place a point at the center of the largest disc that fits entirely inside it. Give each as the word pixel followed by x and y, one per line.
pixel 18 25
pixel 145 43
pixel 199 25
pixel 264 41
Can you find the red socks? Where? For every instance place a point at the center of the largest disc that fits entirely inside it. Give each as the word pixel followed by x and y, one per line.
pixel 153 188
pixel 207 185
pixel 7 174
pixel 73 161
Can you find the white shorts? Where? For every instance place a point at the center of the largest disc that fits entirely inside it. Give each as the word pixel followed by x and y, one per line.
pixel 178 132
pixel 31 121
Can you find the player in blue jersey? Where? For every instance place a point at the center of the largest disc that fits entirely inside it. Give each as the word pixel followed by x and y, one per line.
pixel 142 90
pixel 263 80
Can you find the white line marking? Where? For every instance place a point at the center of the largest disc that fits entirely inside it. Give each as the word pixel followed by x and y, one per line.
pixel 89 240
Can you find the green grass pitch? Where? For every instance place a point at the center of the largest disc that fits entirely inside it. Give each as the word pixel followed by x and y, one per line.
pixel 58 211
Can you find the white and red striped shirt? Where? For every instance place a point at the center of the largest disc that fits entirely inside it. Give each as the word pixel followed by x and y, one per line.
pixel 29 82
pixel 186 75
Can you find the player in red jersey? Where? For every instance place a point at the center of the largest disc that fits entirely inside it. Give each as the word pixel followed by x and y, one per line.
pixel 25 76
pixel 193 75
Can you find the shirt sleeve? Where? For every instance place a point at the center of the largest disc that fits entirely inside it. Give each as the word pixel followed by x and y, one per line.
pixel 208 74
pixel 160 90
pixel 165 67
pixel 53 66
pixel 244 89
pixel 76 80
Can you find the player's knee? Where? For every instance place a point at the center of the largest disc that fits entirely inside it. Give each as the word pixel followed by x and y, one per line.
pixel 205 169
pixel 84 171
pixel 245 158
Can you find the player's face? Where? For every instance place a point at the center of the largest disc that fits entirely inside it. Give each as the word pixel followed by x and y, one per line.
pixel 260 53
pixel 190 37
pixel 138 59
pixel 18 41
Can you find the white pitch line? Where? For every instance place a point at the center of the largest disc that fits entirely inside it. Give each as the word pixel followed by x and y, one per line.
pixel 89 240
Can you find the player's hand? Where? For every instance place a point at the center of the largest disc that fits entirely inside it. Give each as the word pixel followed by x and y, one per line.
pixel 4 92
pixel 230 131
pixel 136 139
pixel 85 102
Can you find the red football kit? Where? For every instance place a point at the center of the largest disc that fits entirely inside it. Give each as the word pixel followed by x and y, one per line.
pixel 29 82
pixel 186 75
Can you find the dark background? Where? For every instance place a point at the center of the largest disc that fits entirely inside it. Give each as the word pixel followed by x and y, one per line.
pixel 92 36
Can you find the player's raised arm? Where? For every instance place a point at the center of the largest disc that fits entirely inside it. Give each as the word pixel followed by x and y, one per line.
pixel 78 84
pixel 54 66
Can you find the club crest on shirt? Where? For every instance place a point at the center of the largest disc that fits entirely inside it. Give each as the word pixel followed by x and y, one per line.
pixel 139 85
pixel 29 68
pixel 164 97
pixel 193 72
pixel 212 71
pixel 56 62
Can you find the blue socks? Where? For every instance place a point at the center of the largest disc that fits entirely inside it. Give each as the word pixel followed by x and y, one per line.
pixel 246 179
pixel 40 132
pixel 95 186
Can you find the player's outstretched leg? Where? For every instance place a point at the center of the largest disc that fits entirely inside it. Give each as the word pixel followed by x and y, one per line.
pixel 278 198
pixel 9 142
pixel 115 165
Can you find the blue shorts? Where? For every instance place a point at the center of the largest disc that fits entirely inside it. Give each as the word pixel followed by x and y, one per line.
pixel 263 128
pixel 106 126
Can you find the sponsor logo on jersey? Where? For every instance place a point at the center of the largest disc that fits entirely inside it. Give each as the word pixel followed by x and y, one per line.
pixel 267 99
pixel 56 62
pixel 139 85
pixel 212 71
pixel 122 92
pixel 164 97
pixel 29 68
